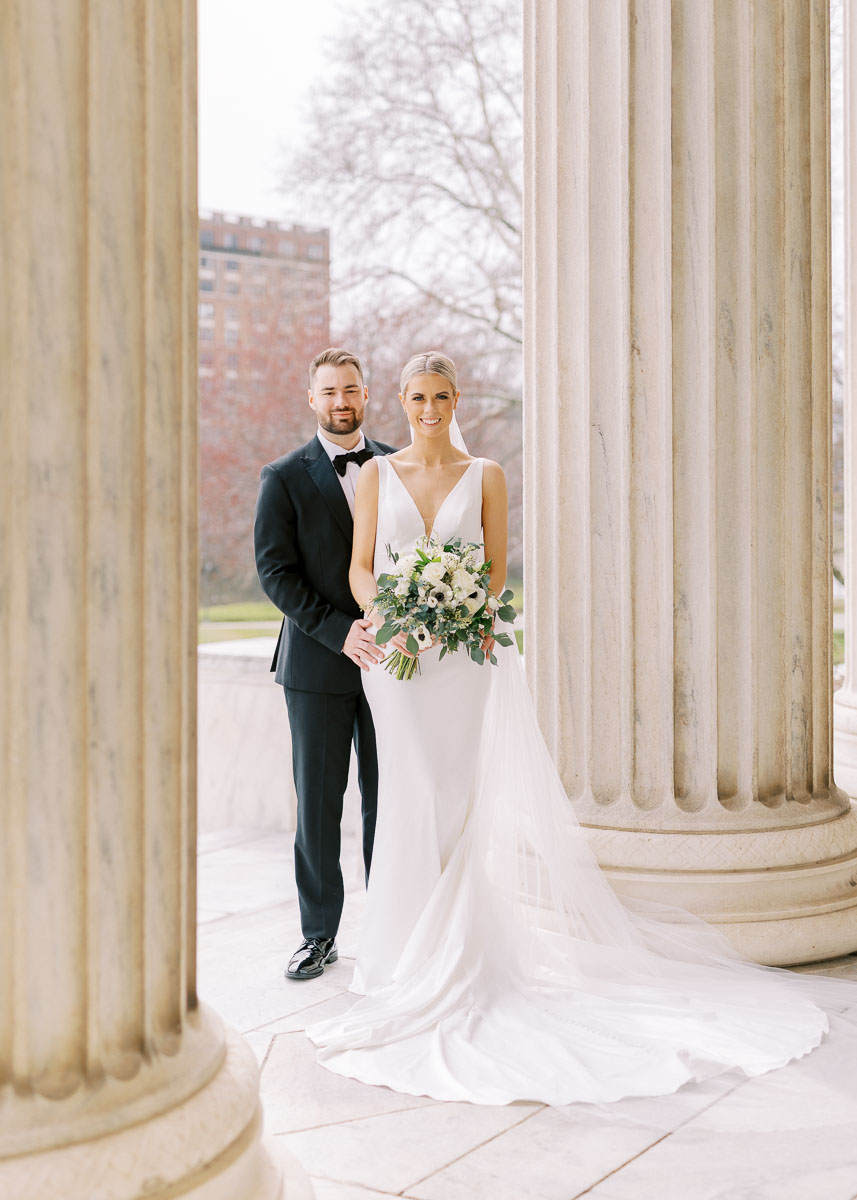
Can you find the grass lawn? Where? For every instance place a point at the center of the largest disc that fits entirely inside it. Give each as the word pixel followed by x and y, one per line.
pixel 213 634
pixel 247 610
pixel 838 646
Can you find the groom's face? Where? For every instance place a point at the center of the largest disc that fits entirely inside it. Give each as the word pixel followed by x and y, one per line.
pixel 338 398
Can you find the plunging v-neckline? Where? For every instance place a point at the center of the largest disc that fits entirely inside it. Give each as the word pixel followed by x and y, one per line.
pixel 428 532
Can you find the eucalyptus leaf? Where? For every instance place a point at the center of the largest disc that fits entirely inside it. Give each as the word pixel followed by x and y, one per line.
pixel 477 655
pixel 384 634
pixel 412 644
pixel 502 639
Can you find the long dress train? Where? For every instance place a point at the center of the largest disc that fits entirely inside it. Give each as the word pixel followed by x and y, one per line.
pixel 495 962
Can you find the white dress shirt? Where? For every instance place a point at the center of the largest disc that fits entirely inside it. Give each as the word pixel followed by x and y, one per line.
pixel 349 479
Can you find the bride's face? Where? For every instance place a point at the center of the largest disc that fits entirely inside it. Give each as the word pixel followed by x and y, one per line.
pixel 429 402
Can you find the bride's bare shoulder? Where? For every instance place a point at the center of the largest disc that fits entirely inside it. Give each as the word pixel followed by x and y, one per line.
pixel 492 471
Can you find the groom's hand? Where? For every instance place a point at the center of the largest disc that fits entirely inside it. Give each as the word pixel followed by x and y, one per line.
pixel 360 645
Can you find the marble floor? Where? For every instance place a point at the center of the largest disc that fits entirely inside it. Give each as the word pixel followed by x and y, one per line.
pixel 773 1138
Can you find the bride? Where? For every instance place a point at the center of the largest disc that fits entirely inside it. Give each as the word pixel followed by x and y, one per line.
pixel 495 961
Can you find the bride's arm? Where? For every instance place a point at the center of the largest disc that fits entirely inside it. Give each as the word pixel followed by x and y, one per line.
pixel 495 522
pixel 495 528
pixel 361 574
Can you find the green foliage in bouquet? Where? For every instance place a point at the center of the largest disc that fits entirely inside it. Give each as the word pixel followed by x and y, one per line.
pixel 440 593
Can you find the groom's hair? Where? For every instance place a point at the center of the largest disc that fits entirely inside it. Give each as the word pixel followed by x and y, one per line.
pixel 334 358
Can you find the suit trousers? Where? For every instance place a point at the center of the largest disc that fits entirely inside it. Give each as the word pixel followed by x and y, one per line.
pixel 323 726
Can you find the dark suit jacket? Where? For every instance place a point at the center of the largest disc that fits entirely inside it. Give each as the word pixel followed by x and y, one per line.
pixel 303 534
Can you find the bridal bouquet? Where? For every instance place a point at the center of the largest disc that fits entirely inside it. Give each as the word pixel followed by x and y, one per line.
pixel 439 593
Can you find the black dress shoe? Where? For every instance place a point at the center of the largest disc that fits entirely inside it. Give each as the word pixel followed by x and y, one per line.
pixel 311 957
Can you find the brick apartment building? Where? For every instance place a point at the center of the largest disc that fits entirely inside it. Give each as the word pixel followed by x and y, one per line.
pixel 263 315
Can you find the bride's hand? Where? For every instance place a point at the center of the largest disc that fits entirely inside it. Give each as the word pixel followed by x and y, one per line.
pixel 488 642
pixel 400 642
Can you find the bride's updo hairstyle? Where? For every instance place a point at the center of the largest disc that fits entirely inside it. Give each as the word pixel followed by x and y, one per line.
pixel 431 363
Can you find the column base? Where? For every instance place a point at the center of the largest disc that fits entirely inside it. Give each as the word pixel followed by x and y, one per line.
pixel 209 1147
pixel 781 896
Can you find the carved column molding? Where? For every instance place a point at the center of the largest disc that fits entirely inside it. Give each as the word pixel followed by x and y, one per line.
pixel 845 700
pixel 677 455
pixel 114 1082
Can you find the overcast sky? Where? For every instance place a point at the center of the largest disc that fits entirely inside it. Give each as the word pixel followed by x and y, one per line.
pixel 257 60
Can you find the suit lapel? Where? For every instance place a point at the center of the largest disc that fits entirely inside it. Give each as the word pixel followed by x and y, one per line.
pixel 324 477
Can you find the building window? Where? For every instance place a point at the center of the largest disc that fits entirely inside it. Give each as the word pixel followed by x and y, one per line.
pixel 206 238
pixel 206 358
pixel 315 250
pixel 231 337
pixel 232 313
pixel 206 285
pixel 206 310
pixel 233 287
pixel 233 264
pixel 206 333
pixel 287 249
pixel 205 262
pixel 232 361
pixel 255 243
pixel 230 241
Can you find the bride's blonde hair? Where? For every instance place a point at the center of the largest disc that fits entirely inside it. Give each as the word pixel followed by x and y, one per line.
pixel 430 363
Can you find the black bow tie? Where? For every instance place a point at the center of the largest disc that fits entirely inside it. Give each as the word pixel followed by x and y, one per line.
pixel 341 461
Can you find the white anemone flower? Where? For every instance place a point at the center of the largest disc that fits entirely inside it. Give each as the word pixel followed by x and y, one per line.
pixel 474 600
pixel 422 637
pixel 439 595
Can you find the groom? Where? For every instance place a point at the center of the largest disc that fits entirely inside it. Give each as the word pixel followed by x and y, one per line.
pixel 303 533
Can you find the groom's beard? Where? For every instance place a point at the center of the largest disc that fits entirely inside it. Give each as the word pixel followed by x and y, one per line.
pixel 342 422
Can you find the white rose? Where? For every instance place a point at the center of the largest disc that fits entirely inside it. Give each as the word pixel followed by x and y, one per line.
pixel 406 565
pixel 432 572
pixel 403 587
pixel 463 581
pixel 475 559
pixel 493 603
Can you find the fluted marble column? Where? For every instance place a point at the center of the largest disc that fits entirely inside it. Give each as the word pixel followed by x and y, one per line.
pixel 845 700
pixel 114 1081
pixel 677 455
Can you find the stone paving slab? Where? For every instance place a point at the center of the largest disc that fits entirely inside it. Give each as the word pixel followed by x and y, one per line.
pixel 789 1135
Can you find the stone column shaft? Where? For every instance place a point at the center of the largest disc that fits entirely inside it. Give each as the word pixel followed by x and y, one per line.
pixel 101 1033
pixel 845 700
pixel 678 376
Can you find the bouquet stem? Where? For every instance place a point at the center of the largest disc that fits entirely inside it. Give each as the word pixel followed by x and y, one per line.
pixel 403 666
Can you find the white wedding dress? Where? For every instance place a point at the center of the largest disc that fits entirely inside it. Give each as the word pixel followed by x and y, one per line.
pixel 495 961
